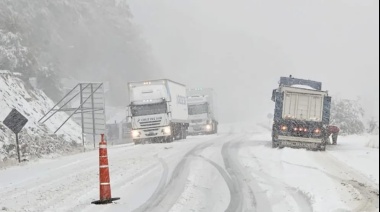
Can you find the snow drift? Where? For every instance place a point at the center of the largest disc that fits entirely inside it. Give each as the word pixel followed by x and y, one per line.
pixel 35 139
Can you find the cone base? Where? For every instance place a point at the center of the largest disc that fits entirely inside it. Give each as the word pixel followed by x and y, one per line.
pixel 103 202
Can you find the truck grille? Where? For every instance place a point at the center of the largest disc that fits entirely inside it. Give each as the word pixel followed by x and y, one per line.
pixel 150 123
pixel 150 130
pixel 197 121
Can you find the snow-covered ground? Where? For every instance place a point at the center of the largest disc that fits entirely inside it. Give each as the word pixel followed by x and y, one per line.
pixel 36 139
pixel 234 171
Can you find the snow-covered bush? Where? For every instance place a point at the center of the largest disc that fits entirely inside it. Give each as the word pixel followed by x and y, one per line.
pixel 373 142
pixel 373 126
pixel 348 115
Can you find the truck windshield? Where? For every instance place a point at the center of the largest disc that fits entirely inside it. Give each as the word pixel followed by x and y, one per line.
pixel 151 109
pixel 198 109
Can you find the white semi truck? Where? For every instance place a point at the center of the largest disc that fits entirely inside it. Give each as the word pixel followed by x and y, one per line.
pixel 158 111
pixel 202 111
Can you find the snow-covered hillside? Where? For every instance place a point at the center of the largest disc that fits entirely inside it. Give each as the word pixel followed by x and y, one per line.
pixel 35 139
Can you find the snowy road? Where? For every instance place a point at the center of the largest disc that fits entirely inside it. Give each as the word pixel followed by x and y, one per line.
pixel 229 172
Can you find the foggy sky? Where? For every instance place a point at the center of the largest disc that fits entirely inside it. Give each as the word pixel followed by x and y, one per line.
pixel 242 47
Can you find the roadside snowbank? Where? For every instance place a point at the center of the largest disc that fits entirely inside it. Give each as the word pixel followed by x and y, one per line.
pixel 360 152
pixel 373 142
pixel 328 180
pixel 367 140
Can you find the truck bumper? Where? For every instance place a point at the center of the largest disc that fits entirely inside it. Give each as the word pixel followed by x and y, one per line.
pixel 300 139
pixel 149 133
pixel 198 129
pixel 300 142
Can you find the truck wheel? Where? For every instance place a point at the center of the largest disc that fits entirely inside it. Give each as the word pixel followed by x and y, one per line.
pixel 169 139
pixel 274 144
pixel 178 136
pixel 322 147
pixel 184 133
pixel 213 128
pixel 181 133
pixel 178 133
pixel 136 141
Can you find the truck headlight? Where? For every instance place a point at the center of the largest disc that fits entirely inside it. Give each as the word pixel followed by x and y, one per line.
pixel 135 133
pixel 208 127
pixel 167 130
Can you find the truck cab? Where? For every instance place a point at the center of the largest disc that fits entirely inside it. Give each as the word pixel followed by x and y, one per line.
pixel 158 111
pixel 202 112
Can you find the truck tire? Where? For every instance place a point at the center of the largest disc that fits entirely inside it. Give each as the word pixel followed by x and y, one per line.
pixel 322 148
pixel 169 139
pixel 136 141
pixel 275 145
pixel 184 133
pixel 178 133
pixel 213 128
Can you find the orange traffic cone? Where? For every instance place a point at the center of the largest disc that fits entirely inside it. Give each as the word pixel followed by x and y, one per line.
pixel 104 175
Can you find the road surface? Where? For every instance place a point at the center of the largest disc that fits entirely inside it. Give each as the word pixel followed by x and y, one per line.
pixel 227 172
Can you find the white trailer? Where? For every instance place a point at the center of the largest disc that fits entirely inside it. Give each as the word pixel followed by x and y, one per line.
pixel 158 111
pixel 202 111
pixel 303 104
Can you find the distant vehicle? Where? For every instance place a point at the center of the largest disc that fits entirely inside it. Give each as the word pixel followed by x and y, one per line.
pixel 202 111
pixel 158 111
pixel 302 115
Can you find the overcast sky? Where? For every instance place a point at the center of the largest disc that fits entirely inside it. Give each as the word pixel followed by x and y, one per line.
pixel 242 47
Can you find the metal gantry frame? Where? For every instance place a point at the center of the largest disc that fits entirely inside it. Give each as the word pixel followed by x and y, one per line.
pixel 83 109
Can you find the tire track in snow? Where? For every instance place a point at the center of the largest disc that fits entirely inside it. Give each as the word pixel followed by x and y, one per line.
pixel 118 183
pixel 159 165
pixel 65 194
pixel 236 196
pixel 49 191
pixel 346 175
pixel 302 200
pixel 166 195
pixel 349 178
pixel 250 194
pixel 159 189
